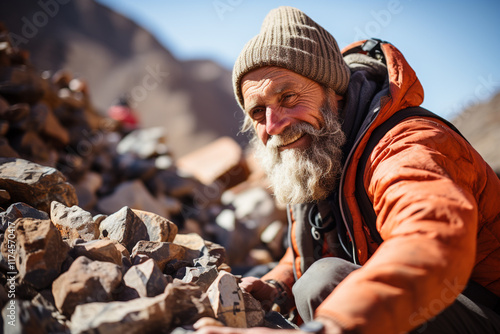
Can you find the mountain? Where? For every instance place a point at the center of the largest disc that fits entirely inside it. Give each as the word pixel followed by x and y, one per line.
pixel 479 124
pixel 193 100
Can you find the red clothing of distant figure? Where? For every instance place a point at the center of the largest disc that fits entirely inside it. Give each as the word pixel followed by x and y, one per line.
pixel 124 114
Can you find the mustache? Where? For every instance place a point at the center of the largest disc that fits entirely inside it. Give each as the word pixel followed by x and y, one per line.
pixel 291 134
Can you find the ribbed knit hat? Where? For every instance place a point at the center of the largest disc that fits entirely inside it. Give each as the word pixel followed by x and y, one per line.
pixel 289 38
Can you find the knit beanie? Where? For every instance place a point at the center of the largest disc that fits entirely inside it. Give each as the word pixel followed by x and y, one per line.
pixel 290 39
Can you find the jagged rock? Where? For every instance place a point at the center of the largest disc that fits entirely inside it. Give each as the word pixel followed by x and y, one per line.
pixel 20 316
pixel 197 248
pixel 16 112
pixel 161 252
pixel 253 310
pixel 187 303
pixel 101 250
pixel 86 281
pixel 169 182
pixel 219 162
pixel 141 315
pixel 73 222
pixel 144 143
pixel 133 194
pixel 159 228
pixel 19 210
pixel 202 276
pixel 131 168
pixel 20 83
pixel 227 300
pixel 4 196
pixel 125 227
pixel 51 125
pixel 146 278
pixel 34 184
pixel 40 251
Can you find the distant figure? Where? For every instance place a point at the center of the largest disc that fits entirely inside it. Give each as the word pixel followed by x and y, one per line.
pixel 125 115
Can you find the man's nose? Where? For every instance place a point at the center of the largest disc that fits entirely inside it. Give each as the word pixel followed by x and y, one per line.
pixel 276 120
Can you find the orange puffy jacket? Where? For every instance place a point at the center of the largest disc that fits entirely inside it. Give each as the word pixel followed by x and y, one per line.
pixel 438 211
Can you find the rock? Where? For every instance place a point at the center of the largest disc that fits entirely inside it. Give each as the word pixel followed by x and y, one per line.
pixel 19 210
pixel 86 281
pixel 20 316
pixel 40 251
pixel 159 228
pixel 125 227
pixel 219 162
pixel 141 315
pixel 86 190
pixel 101 250
pixel 6 151
pixel 16 112
pixel 20 83
pixel 169 182
pixel 133 194
pixel 131 168
pixel 52 127
pixel 188 303
pixel 144 143
pixel 227 300
pixel 161 252
pixel 146 278
pixel 34 184
pixel 202 276
pixel 73 222
pixel 197 247
pixel 4 196
pixel 253 310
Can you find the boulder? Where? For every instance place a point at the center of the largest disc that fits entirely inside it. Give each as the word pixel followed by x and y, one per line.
pixel 73 222
pixel 101 250
pixel 146 278
pixel 161 252
pixel 227 300
pixel 34 184
pixel 125 227
pixel 39 251
pixel 86 281
pixel 19 210
pixel 159 228
pixel 141 315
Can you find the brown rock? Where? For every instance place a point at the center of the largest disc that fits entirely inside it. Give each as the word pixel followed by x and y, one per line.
pixel 227 300
pixel 20 84
pixel 73 222
pixel 159 228
pixel 161 252
pixel 253 310
pixel 51 126
pixel 86 281
pixel 101 250
pixel 219 162
pixel 125 227
pixel 188 303
pixel 6 151
pixel 142 315
pixel 133 194
pixel 19 210
pixel 34 184
pixel 39 251
pixel 86 190
pixel 202 276
pixel 145 278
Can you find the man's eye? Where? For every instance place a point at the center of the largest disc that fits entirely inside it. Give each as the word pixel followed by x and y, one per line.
pixel 257 114
pixel 288 97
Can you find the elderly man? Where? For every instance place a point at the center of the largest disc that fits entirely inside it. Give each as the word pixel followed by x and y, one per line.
pixel 394 217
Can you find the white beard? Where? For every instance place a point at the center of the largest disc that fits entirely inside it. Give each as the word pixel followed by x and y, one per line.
pixel 304 175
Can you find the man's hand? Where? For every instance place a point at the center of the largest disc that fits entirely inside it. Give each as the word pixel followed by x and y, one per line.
pixel 262 291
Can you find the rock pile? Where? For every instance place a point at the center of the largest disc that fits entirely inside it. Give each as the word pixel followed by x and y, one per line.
pixel 102 231
pixel 48 119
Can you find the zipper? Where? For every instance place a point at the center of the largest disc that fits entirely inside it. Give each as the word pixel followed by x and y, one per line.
pixel 343 212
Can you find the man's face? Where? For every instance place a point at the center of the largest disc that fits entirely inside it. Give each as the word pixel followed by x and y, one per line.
pixel 298 136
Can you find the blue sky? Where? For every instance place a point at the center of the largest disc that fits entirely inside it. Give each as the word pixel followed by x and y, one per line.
pixel 453 46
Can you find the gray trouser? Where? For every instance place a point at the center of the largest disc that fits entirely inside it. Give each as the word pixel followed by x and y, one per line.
pixel 463 316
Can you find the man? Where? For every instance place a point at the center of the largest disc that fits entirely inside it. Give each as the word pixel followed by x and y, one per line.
pixel 435 202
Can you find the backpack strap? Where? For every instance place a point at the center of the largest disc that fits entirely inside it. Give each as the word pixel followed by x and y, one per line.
pixel 364 203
